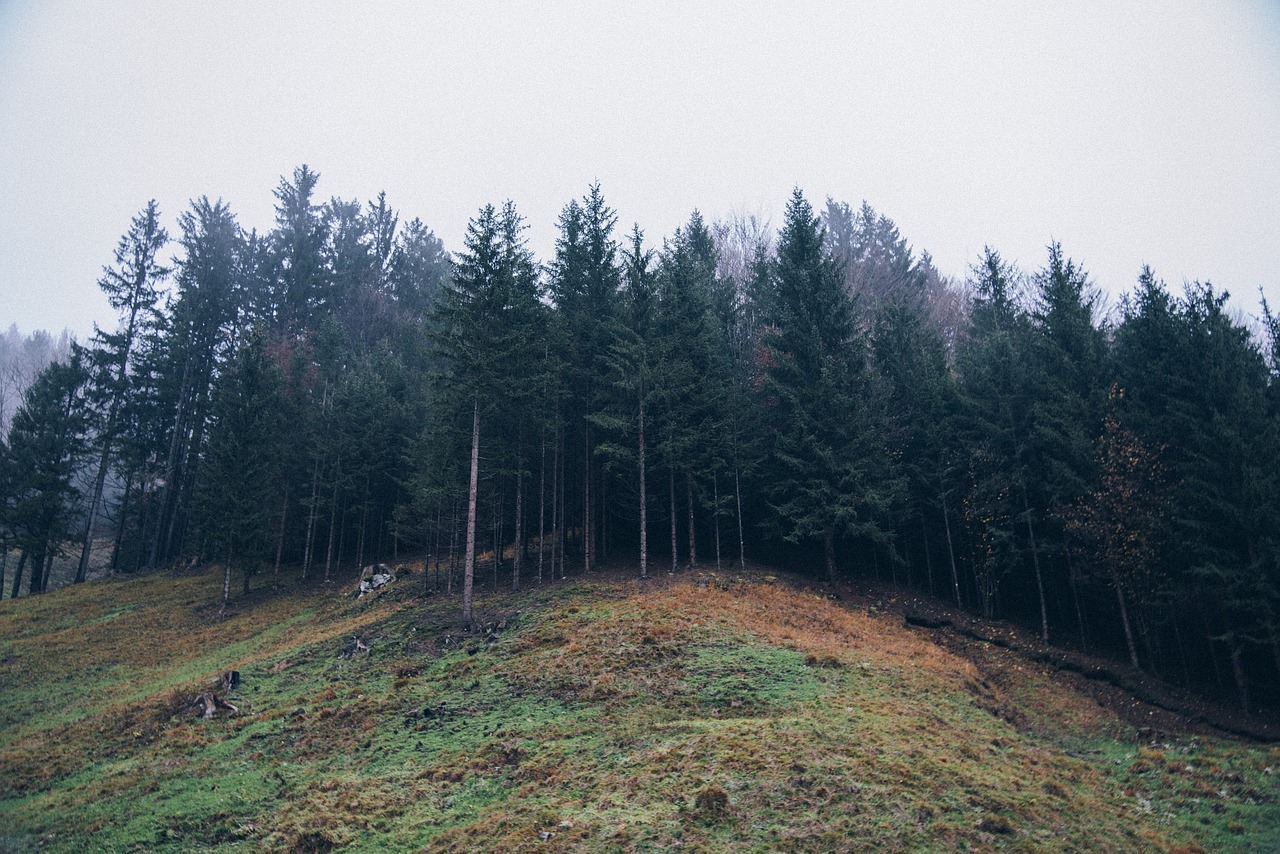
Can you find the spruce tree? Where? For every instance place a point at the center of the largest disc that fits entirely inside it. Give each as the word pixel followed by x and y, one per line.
pixel 132 289
pixel 827 458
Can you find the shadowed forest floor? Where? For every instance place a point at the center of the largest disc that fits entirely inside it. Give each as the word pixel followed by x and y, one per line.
pixel 695 712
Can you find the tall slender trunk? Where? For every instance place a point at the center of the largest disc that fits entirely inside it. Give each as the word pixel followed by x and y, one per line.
pixel 453 544
pixel 4 563
pixel 829 550
pixel 693 540
pixel 742 540
pixel 333 531
pixel 17 575
pixel 644 499
pixel 118 541
pixel 671 484
pixel 469 560
pixel 171 465
pixel 284 515
pixel 715 487
pixel 1073 578
pixel 497 538
pixel 226 584
pixel 588 533
pixel 1124 621
pixel 313 514
pixel 951 551
pixel 562 536
pixel 928 558
pixel 517 559
pixel 99 481
pixel 542 501
pixel 555 496
pixel 1035 561
pixel 1234 650
pixel 360 537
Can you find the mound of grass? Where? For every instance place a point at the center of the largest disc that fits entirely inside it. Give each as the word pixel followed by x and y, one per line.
pixel 591 716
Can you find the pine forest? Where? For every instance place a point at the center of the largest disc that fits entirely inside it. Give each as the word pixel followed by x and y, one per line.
pixel 344 391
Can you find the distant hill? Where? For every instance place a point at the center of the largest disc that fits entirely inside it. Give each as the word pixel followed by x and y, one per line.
pixel 733 712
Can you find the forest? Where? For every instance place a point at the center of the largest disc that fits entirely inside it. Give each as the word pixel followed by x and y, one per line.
pixel 342 390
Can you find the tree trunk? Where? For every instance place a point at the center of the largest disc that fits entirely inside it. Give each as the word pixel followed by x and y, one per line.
pixel 542 501
pixel 1035 560
pixel 1074 578
pixel 555 496
pixel 313 514
pixel 99 481
pixel 951 551
pixel 517 559
pixel 17 575
pixel 1124 621
pixel 453 544
pixel 496 531
pixel 693 543
pixel 715 493
pixel 360 538
pixel 671 484
pixel 928 558
pixel 562 536
pixel 284 515
pixel 1237 670
pixel 644 501
pixel 226 584
pixel 171 465
pixel 469 560
pixel 737 493
pixel 587 532
pixel 829 550
pixel 118 540
pixel 333 531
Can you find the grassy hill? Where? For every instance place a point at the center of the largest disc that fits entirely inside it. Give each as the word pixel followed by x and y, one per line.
pixel 694 713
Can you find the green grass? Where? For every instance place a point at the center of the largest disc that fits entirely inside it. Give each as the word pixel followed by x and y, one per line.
pixel 603 717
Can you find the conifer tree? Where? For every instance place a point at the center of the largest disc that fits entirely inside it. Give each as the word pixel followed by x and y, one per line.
pixel 494 280
pixel 132 289
pixel 46 443
pixel 233 508
pixel 827 457
pixel 585 279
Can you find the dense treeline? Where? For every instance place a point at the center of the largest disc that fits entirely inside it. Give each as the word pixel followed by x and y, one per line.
pixel 340 390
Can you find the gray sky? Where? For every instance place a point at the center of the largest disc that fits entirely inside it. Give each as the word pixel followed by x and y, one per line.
pixel 1131 132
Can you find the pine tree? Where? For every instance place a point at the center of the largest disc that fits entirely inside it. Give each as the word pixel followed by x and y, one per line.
pixel 132 289
pixel 585 279
pixel 197 338
pixel 494 282
pixel 827 458
pixel 46 442
pixel 233 507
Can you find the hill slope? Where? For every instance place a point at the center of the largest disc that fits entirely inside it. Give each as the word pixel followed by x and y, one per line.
pixel 593 714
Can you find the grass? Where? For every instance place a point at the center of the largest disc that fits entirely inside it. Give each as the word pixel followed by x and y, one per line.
pixel 603 715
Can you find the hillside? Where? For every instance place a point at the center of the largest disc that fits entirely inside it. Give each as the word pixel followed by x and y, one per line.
pixel 738 713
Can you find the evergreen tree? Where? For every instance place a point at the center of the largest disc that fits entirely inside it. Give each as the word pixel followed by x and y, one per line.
pixel 196 340
pixel 997 384
pixel 302 290
pixel 46 442
pixel 233 508
pixel 494 280
pixel 827 458
pixel 132 289
pixel 585 279
pixel 631 380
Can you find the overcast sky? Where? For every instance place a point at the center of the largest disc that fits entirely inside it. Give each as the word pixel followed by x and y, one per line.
pixel 1132 133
